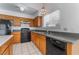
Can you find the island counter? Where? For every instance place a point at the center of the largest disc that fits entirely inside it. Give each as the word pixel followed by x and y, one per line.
pixel 6 44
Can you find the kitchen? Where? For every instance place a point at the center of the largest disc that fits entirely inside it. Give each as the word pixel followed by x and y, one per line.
pixel 39 29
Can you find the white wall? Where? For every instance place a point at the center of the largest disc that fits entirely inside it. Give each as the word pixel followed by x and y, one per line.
pixel 18 14
pixel 70 17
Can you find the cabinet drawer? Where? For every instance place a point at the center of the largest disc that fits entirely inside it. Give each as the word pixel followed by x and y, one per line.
pixel 16 33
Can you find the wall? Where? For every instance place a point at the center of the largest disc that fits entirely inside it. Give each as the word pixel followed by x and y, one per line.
pixel 69 15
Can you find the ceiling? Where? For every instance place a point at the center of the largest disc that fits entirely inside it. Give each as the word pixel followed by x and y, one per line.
pixel 30 8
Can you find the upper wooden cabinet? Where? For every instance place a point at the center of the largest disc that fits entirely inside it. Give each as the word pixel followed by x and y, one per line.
pixel 37 22
pixel 17 37
pixel 16 20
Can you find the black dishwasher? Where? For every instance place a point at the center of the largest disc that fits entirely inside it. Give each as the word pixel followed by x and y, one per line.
pixel 55 47
pixel 25 35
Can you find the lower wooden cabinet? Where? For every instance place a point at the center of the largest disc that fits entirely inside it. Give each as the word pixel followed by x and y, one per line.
pixel 39 41
pixel 42 44
pixel 34 37
pixel 17 37
pixel 69 49
pixel 6 49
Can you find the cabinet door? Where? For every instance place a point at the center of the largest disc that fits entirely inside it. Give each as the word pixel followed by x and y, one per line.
pixel 69 49
pixel 6 52
pixel 38 21
pixel 37 40
pixel 17 37
pixel 5 49
pixel 42 44
pixel 16 22
pixel 32 36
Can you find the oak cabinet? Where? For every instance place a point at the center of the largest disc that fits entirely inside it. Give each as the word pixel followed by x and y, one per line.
pixel 6 49
pixel 42 44
pixel 37 41
pixel 40 41
pixel 69 49
pixel 37 22
pixel 17 37
pixel 34 38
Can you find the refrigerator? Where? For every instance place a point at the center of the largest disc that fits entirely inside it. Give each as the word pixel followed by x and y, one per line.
pixel 5 27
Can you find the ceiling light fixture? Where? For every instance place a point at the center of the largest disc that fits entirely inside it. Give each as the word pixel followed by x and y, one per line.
pixel 21 8
pixel 43 10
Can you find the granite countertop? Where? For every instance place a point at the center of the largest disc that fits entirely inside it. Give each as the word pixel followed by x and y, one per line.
pixel 4 39
pixel 53 29
pixel 64 38
pixel 16 28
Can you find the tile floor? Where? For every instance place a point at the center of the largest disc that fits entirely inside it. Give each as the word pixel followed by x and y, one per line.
pixel 27 48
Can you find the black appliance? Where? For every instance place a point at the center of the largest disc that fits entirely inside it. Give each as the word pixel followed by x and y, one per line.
pixel 55 47
pixel 25 35
pixel 5 26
